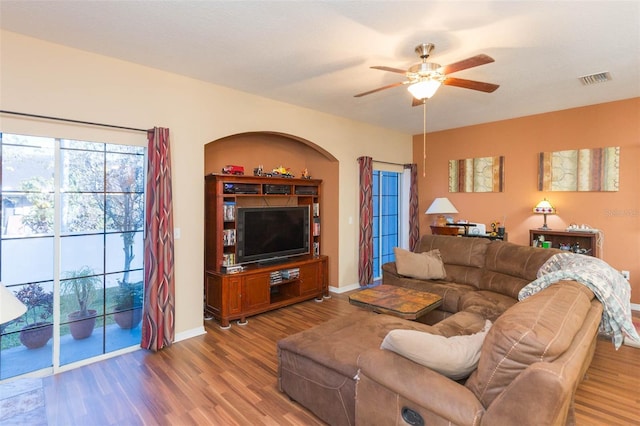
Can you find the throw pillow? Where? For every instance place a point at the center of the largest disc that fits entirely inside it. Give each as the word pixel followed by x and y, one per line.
pixel 455 357
pixel 426 265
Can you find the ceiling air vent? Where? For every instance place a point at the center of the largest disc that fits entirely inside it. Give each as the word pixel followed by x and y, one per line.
pixel 600 77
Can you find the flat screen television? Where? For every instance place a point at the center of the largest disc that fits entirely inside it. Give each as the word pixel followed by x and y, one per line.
pixel 265 234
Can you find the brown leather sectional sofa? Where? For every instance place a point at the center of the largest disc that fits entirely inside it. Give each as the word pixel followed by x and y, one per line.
pixel 531 361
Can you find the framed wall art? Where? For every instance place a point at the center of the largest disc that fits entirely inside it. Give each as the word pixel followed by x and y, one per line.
pixel 595 169
pixel 482 174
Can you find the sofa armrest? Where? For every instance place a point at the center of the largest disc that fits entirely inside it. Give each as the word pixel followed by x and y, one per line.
pixel 390 268
pixel 403 378
pixel 541 385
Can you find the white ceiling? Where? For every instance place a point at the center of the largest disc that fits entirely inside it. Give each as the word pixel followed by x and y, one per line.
pixel 317 54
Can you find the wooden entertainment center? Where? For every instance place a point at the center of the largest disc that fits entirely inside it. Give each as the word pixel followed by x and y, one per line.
pixel 234 293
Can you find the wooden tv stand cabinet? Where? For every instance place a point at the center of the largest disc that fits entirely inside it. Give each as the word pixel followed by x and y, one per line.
pixel 236 296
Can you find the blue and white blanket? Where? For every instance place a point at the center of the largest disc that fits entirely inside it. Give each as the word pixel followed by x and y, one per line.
pixel 608 285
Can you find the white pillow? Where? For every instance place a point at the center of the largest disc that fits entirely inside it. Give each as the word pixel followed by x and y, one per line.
pixel 426 265
pixel 455 357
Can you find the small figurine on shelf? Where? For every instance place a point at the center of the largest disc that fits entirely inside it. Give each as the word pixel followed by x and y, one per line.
pixel 258 171
pixel 282 172
pixel 231 169
pixel 576 249
pixel 497 229
pixel 305 174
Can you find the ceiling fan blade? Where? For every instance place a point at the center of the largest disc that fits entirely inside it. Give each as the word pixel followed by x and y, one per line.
pixel 390 69
pixel 471 62
pixel 388 86
pixel 470 84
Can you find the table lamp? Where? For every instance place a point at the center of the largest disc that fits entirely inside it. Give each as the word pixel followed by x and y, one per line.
pixel 441 206
pixel 10 306
pixel 544 207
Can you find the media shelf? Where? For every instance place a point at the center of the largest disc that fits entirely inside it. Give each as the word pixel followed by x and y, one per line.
pixel 585 240
pixel 249 291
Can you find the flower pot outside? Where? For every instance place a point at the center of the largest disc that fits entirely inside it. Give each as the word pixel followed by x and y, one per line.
pixel 128 319
pixel 81 327
pixel 37 335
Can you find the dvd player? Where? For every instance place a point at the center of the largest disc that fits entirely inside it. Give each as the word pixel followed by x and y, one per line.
pixel 306 190
pixel 240 188
pixel 277 189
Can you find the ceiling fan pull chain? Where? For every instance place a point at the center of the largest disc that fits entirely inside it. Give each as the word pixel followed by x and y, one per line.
pixel 424 138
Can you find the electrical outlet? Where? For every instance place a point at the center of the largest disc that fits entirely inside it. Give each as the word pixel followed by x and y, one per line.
pixel 626 275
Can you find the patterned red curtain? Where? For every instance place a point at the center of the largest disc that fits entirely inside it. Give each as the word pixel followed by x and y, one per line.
pixel 365 261
pixel 158 323
pixel 414 219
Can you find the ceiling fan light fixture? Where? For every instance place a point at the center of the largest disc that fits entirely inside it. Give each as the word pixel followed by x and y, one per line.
pixel 424 89
pixel 424 78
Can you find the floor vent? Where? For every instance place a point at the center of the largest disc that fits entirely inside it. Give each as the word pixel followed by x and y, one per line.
pixel 600 77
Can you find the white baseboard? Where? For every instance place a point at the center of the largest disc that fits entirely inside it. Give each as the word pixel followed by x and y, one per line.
pixel 198 331
pixel 344 289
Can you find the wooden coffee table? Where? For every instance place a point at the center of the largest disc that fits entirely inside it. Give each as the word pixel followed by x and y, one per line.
pixel 398 301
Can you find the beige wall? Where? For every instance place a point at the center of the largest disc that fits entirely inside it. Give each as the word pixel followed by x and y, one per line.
pixel 42 78
pixel 520 140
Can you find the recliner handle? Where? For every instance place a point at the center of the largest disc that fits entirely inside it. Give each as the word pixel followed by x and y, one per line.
pixel 412 417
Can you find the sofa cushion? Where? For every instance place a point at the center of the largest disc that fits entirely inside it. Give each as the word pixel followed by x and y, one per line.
pixel 509 267
pixel 459 324
pixel 427 265
pixel 537 329
pixel 449 291
pixel 489 304
pixel 463 257
pixel 455 357
pixel 362 330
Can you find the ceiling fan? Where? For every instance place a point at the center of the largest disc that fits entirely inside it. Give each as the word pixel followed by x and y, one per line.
pixel 425 77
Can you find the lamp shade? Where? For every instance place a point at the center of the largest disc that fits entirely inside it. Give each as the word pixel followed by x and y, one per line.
pixel 441 206
pixel 10 306
pixel 424 89
pixel 544 207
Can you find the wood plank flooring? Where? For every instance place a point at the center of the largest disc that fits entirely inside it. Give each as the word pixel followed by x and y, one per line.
pixel 229 377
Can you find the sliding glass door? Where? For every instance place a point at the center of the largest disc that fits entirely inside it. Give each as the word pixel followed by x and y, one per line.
pixel 386 217
pixel 71 250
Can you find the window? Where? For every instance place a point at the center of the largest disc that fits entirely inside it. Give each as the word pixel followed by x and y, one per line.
pixel 71 249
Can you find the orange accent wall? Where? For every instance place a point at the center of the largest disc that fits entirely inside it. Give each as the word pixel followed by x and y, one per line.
pixel 520 140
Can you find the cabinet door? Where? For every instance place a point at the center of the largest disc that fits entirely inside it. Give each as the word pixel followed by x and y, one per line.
pixel 309 279
pixel 233 289
pixel 222 295
pixel 256 292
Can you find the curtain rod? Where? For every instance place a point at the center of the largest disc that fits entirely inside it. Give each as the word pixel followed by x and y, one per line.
pixel 388 162
pixel 90 123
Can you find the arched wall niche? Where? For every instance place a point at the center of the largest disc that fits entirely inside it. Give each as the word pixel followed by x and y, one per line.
pixel 273 149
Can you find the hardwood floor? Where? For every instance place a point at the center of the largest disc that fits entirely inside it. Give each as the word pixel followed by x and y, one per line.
pixel 228 377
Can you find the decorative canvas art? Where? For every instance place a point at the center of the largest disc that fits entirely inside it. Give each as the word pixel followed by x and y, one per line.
pixel 594 169
pixel 482 174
